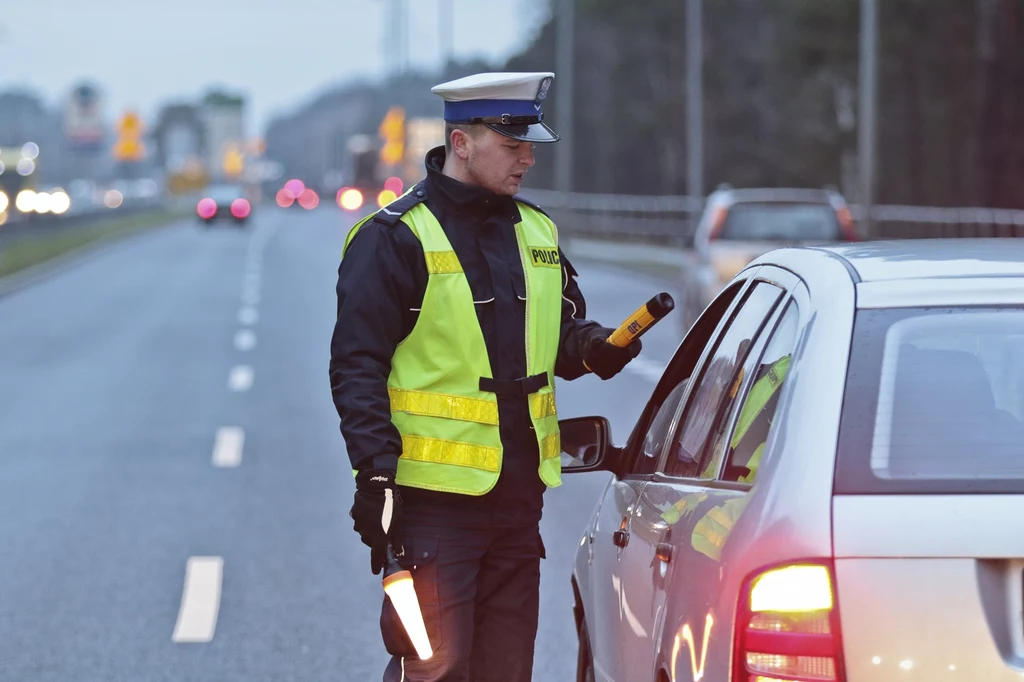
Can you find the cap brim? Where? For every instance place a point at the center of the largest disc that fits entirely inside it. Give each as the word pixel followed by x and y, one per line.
pixel 533 132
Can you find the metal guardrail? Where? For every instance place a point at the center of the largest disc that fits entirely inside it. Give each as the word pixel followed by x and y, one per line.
pixel 672 219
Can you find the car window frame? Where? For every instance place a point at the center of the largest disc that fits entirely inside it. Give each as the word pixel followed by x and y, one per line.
pixel 671 377
pixel 789 283
pixel 764 339
pixel 684 411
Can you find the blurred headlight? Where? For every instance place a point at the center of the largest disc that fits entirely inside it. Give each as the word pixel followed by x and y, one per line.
pixel 60 202
pixel 4 202
pixel 25 201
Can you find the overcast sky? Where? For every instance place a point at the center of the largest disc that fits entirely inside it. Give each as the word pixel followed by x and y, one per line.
pixel 279 53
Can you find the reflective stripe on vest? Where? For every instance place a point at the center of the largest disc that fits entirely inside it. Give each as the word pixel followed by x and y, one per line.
pixel 449 427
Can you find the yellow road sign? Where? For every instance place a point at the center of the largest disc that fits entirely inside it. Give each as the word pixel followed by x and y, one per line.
pixel 128 146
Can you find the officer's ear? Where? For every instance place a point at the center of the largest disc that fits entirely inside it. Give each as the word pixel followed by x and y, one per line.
pixel 461 140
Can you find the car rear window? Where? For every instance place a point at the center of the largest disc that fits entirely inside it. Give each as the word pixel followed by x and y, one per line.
pixel 934 402
pixel 781 222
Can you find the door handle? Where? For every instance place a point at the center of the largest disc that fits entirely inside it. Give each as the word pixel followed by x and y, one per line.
pixel 664 551
pixel 620 538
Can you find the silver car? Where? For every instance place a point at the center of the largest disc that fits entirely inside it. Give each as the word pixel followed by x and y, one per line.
pixel 738 225
pixel 827 483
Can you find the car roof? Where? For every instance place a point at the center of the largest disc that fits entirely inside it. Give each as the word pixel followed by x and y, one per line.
pixel 875 261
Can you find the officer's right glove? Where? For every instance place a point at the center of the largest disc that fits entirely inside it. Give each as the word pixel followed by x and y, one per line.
pixel 377 514
pixel 604 359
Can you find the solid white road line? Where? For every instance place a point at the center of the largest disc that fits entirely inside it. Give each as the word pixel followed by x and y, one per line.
pixel 200 600
pixel 248 315
pixel 241 378
pixel 245 339
pixel 648 369
pixel 251 296
pixel 227 448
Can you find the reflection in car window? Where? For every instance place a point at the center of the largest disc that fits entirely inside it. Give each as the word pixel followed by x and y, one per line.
pixel 659 430
pixel 758 407
pixel 949 405
pixel 718 384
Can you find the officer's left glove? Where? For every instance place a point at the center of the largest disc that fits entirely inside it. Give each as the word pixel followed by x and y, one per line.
pixel 377 514
pixel 604 359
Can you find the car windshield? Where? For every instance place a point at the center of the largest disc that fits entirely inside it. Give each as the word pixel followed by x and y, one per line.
pixel 781 222
pixel 225 193
pixel 935 398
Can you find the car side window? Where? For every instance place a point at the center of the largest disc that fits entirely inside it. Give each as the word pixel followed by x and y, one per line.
pixel 690 454
pixel 657 434
pixel 672 387
pixel 756 410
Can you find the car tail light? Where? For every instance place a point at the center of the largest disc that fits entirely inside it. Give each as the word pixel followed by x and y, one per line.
pixel 240 208
pixel 207 208
pixel 309 199
pixel 848 226
pixel 350 199
pixel 717 220
pixel 284 198
pixel 787 627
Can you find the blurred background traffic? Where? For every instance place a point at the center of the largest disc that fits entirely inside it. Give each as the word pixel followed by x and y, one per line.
pixel 914 120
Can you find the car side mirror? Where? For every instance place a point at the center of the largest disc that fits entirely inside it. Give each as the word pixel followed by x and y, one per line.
pixel 586 443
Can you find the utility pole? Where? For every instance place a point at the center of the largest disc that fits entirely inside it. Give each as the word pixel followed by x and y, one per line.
pixel 866 131
pixel 446 30
pixel 565 19
pixel 694 99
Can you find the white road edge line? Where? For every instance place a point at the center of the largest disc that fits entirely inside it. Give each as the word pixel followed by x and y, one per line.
pixel 227 448
pixel 248 315
pixel 200 600
pixel 245 339
pixel 241 378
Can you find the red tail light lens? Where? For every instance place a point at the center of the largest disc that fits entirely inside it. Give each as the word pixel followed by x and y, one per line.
pixel 717 220
pixel 240 208
pixel 309 199
pixel 284 198
pixel 787 627
pixel 207 208
pixel 846 220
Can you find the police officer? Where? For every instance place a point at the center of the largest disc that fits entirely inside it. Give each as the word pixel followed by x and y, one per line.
pixel 456 311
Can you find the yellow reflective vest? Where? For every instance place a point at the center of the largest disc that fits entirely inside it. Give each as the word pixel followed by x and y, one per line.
pixel 443 399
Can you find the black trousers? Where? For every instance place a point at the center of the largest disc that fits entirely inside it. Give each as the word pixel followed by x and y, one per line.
pixel 479 591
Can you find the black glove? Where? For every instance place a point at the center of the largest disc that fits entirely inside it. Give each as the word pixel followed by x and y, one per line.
pixel 604 359
pixel 369 514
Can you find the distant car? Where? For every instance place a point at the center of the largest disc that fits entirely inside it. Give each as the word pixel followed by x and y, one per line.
pixel 827 483
pixel 224 202
pixel 738 225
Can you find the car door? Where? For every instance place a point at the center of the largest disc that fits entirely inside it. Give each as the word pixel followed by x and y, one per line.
pixel 607 614
pixel 668 501
pixel 695 636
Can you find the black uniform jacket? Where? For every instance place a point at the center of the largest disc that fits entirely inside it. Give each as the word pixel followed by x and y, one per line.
pixel 381 282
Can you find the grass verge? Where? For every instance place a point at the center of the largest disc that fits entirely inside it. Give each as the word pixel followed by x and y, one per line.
pixel 25 251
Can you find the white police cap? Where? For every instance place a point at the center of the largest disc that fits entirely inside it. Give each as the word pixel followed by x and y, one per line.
pixel 508 103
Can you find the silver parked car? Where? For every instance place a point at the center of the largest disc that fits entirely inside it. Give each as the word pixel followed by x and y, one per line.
pixel 738 225
pixel 827 482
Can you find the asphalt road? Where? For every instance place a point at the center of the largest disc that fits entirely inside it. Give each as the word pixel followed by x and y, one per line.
pixel 174 490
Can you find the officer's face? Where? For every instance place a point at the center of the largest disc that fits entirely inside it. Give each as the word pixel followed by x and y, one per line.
pixel 498 163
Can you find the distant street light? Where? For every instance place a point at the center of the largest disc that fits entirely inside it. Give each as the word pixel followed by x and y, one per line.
pixel 694 99
pixel 565 19
pixel 866 135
